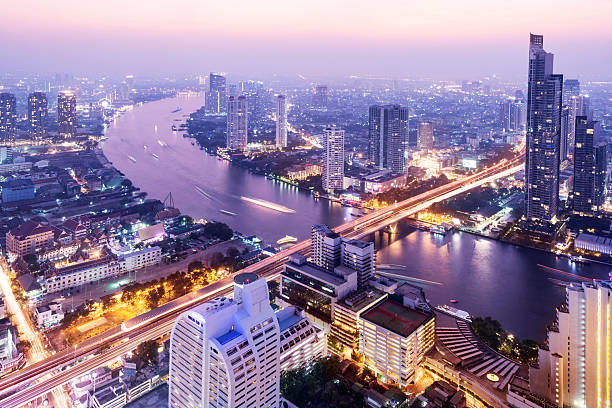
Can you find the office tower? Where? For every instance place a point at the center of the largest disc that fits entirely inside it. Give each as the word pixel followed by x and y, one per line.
pixel 225 353
pixel 388 137
pixel 359 256
pixel 425 135
pixel 564 138
pixel 37 114
pixel 66 114
pixel 513 115
pixel 8 115
pixel 326 247
pixel 571 89
pixel 281 121
pixel 544 99
pixel 237 123
pixel 216 95
pixel 574 366
pixel 590 163
pixel 333 159
pixel 320 96
pixel 585 106
pixel 573 101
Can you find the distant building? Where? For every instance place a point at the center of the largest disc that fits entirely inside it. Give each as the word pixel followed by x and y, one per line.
pixel 237 123
pixel 333 159
pixel 574 365
pixel 590 168
pixel 513 115
pixel 388 137
pixel 281 121
pixel 593 243
pixel 544 100
pixel 320 97
pixel 573 102
pixel 217 94
pixel 425 135
pixel 66 114
pixel 28 237
pixel 37 114
pixel 303 171
pixel 17 190
pixel 8 115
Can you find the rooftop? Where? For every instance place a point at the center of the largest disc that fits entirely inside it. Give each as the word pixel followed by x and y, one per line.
pixel 288 317
pixel 396 317
pixel 229 336
pixel 317 272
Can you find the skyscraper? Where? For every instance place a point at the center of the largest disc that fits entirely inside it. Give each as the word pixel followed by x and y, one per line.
pixel 37 114
pixel 326 247
pixel 513 115
pixel 237 123
pixel 388 137
pixel 281 121
pixel 216 95
pixel 544 100
pixel 8 115
pixel 564 139
pixel 425 135
pixel 574 366
pixel 66 114
pixel 320 96
pixel 573 101
pixel 225 353
pixel 590 163
pixel 333 157
pixel 359 256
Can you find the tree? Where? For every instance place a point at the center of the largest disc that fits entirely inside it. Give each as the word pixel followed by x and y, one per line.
pixel 232 252
pixel 218 230
pixel 216 260
pixel 488 330
pixel 194 266
pixel 147 351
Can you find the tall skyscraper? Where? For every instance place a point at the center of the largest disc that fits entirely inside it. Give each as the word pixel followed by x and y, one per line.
pixel 574 367
pixel 217 93
pixel 425 135
pixel 388 137
pixel 590 164
pixel 320 96
pixel 513 115
pixel 564 140
pixel 66 114
pixel 8 115
pixel 573 101
pixel 226 353
pixel 237 123
pixel 281 121
pixel 544 100
pixel 37 114
pixel 333 157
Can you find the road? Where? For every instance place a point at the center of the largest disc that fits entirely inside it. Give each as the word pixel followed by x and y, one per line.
pixel 159 321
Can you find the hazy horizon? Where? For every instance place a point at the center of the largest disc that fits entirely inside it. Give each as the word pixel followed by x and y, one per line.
pixel 437 39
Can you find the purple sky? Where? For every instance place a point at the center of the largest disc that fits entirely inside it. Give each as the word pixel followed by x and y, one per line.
pixel 398 38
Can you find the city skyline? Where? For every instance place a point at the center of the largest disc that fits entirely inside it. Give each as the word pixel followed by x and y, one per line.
pixel 414 41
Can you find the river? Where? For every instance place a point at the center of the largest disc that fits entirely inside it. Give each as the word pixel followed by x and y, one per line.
pixel 486 277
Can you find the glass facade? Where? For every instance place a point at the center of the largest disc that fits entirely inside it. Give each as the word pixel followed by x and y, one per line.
pixel 302 296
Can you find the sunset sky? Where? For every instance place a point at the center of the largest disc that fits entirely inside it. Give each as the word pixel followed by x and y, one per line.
pixel 438 38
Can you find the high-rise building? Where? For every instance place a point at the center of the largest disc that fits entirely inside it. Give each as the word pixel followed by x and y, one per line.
pixel 574 366
pixel 226 353
pixel 388 137
pixel 425 135
pixel 573 101
pixel 326 247
pixel 37 114
pixel 66 114
pixel 590 164
pixel 564 140
pixel 359 256
pixel 281 121
pixel 320 96
pixel 8 115
pixel 513 115
pixel 544 100
pixel 217 94
pixel 333 159
pixel 237 123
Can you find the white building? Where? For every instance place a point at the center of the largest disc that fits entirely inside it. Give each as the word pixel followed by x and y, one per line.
pixel 49 315
pixel 79 273
pixel 281 121
pixel 593 243
pixel 333 159
pixel 359 256
pixel 425 135
pixel 237 123
pixel 300 341
pixel 574 367
pixel 326 247
pixel 226 353
pixel 132 261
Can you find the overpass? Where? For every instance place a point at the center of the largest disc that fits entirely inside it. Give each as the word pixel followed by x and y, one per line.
pixel 103 348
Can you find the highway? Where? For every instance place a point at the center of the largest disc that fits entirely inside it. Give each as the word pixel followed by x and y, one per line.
pixel 101 349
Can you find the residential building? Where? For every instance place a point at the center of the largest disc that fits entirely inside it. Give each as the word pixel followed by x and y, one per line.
pixel 388 137
pixel 303 171
pixel 281 121
pixel 28 238
pixel 320 97
pixel 216 96
pixel 8 115
pixel 66 114
pixel 590 168
pixel 574 365
pixel 300 341
pixel 544 100
pixel 573 102
pixel 37 114
pixel 425 135
pixel 237 123
pixel 393 339
pixel 17 190
pixel 513 115
pixel 49 315
pixel 11 358
pixel 226 353
pixel 359 256
pixel 333 159
pixel 326 247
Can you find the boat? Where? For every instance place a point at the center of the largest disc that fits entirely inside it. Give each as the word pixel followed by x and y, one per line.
pixel 156 128
pixel 453 300
pixel 132 159
pixel 459 314
pixel 145 147
pixel 226 212
pixel 156 157
pixel 174 129
pixel 287 239
pixel 579 259
pixel 178 109
pixel 162 144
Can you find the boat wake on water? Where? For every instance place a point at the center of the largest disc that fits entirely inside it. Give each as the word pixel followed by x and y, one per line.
pixel 202 192
pixel 268 204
